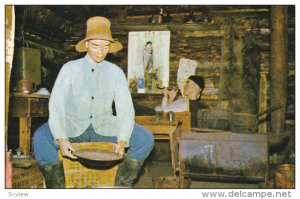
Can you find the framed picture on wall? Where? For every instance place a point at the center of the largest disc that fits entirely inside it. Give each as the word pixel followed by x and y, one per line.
pixel 148 61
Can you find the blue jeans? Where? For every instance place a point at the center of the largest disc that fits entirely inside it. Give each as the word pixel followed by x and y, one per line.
pixel 46 149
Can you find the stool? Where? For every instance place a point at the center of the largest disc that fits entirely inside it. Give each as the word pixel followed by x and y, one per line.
pixel 79 176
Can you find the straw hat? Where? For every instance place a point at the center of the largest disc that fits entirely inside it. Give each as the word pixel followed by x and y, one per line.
pixel 98 28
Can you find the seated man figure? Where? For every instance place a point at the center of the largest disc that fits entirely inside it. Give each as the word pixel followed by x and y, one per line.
pixel 191 97
pixel 80 110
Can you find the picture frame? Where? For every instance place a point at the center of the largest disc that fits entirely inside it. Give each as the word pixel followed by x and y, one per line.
pixel 148 61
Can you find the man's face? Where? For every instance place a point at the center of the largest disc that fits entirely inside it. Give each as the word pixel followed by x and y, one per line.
pixel 98 49
pixel 149 48
pixel 191 90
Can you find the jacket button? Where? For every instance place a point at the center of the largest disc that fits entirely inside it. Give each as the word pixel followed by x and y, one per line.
pixel 92 97
pixel 93 70
pixel 91 117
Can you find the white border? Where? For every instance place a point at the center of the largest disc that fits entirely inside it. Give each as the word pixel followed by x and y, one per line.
pixel 124 193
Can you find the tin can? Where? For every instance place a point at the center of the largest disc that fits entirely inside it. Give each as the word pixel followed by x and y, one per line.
pixel 171 116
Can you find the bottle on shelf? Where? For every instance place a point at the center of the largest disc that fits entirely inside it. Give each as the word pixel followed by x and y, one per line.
pixel 161 16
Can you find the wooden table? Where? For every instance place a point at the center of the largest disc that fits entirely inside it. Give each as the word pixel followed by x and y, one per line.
pixel 162 129
pixel 25 107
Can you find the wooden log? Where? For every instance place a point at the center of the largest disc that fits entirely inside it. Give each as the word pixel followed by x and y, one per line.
pixel 51 57
pixel 32 31
pixel 41 39
pixel 279 59
pixel 244 11
pixel 71 12
pixel 79 30
pixel 44 20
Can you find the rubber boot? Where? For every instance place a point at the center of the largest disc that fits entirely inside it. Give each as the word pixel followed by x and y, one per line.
pixel 54 175
pixel 128 172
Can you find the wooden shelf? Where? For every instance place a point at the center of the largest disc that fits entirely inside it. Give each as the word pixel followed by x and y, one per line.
pixel 211 74
pixel 291 73
pixel 33 95
pixel 148 94
pixel 166 26
pixel 215 30
pixel 209 97
pixel 183 27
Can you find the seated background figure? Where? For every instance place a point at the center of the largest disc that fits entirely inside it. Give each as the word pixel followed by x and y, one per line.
pixel 191 97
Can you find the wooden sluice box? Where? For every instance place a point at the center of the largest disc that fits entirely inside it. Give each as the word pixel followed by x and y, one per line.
pixel 223 156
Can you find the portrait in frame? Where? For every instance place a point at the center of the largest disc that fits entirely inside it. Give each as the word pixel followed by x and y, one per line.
pixel 148 61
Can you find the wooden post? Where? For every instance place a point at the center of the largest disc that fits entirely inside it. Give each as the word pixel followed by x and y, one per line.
pixel 9 52
pixel 25 134
pixel 279 65
pixel 262 128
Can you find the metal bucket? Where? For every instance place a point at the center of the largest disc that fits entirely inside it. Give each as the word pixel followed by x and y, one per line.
pixel 27 66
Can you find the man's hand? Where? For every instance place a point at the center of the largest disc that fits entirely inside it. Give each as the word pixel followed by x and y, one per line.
pixel 166 93
pixel 120 148
pixel 172 95
pixel 66 148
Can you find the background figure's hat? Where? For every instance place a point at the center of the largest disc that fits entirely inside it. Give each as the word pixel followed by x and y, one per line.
pixel 98 28
pixel 199 80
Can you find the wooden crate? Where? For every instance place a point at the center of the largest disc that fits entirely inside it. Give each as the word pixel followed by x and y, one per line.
pixel 26 178
pixel 79 176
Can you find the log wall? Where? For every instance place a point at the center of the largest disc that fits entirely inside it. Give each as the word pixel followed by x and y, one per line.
pixel 43 28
